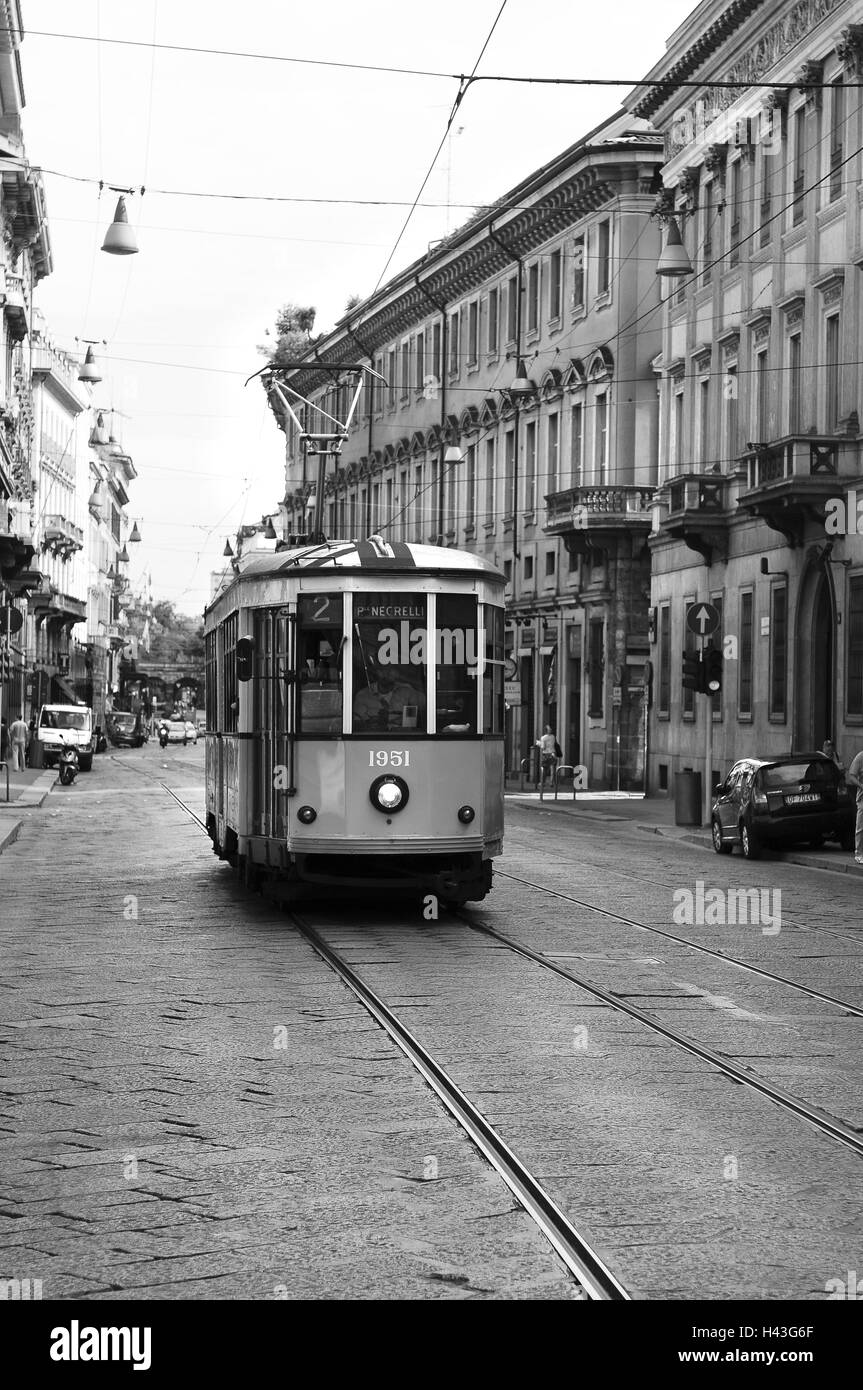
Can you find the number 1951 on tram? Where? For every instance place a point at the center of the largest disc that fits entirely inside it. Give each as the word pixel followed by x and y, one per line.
pixel 355 720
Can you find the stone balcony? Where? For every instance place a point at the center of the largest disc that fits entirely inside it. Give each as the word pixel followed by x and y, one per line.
pixel 698 509
pixel 61 535
pixel 790 480
pixel 15 306
pixel 598 518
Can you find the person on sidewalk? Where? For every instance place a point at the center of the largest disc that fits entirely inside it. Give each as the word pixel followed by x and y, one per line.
pixel 549 751
pixel 18 741
pixel 828 748
pixel 854 778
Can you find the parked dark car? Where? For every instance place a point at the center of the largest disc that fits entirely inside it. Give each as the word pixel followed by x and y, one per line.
pixel 801 797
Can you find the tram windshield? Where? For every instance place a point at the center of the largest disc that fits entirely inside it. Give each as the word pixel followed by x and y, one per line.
pixel 319 663
pixel 456 664
pixel 389 665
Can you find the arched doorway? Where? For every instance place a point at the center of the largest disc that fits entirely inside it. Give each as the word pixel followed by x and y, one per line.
pixel 815 665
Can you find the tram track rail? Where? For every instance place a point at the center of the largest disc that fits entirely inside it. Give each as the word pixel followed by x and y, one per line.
pixel 843 1004
pixel 828 1125
pixel 594 1277
pixel 586 1266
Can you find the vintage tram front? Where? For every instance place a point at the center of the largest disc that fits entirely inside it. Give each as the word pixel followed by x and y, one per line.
pixel 355 719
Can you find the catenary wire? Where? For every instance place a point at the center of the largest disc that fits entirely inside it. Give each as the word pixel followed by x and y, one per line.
pixel 659 82
pixel 464 84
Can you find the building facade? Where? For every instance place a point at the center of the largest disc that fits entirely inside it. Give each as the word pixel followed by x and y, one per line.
pixel 111 470
pixel 507 348
pixel 759 445
pixel 25 257
pixel 56 651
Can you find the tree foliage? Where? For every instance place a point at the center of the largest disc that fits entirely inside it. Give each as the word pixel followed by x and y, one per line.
pixel 175 637
pixel 293 334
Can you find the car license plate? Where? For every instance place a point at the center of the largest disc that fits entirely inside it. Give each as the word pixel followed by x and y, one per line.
pixel 800 797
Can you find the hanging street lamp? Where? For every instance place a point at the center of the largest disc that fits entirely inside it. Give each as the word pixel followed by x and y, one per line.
pixel 120 239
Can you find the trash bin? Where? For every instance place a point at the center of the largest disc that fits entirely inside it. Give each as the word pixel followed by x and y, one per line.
pixel 37 751
pixel 687 798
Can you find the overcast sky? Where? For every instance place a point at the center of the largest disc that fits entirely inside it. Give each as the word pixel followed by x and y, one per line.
pixel 184 317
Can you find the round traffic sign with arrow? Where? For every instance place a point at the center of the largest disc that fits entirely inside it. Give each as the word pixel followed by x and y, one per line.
pixel 702 618
pixel 11 620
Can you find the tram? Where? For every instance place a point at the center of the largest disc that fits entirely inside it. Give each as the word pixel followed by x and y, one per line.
pixel 354 702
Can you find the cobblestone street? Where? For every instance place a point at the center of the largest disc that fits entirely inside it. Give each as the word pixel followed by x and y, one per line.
pixel 194 1106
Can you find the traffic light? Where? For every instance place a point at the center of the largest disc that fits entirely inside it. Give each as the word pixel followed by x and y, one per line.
pixel 693 672
pixel 714 671
pixel 245 659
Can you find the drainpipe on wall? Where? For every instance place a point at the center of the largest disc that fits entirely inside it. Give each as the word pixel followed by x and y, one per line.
pixel 441 308
pixel 517 412
pixel 372 388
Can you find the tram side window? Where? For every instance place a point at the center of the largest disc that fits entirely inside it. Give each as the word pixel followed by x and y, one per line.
pixel 389 663
pixel 231 699
pixel 210 669
pixel 319 663
pixel 456 665
pixel 492 688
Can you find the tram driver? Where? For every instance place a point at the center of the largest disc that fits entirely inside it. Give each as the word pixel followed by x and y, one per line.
pixel 389 701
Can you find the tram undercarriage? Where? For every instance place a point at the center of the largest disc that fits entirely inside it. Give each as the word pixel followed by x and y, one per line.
pixel 451 878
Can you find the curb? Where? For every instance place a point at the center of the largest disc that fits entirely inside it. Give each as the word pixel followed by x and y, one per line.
pixel 8 837
pixel 702 841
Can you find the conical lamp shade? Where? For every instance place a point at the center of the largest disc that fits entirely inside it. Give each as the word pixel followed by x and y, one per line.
pixel 123 556
pixel 89 371
pixel 134 534
pixel 269 530
pixel 100 434
pixel 522 385
pixel 120 240
pixel 228 551
pixel 674 260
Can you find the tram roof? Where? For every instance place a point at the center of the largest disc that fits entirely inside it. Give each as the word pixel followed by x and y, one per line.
pixel 374 554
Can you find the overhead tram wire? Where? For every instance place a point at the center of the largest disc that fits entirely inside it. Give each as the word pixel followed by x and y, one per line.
pixel 464 84
pixel 393 69
pixel 498 207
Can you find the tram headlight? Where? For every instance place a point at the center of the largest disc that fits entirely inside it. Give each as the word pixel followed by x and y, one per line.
pixel 389 794
pixel 466 814
pixel 307 814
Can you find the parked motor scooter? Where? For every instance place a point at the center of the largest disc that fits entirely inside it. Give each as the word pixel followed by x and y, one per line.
pixel 68 764
pixel 163 735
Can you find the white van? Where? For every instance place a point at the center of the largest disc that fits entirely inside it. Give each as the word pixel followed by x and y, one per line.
pixel 59 724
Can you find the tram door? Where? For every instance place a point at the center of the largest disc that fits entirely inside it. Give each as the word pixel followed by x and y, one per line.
pixel 272 759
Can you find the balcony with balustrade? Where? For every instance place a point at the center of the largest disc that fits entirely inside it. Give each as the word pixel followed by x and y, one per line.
pixel 15 306
pixel 16 540
pixel 61 536
pixel 790 480
pixel 698 512
pixel 600 518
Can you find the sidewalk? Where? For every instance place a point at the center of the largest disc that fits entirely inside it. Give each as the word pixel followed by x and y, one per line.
pixel 655 816
pixel 27 790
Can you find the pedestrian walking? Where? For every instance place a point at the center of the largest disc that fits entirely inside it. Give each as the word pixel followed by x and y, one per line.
pixel 18 736
pixel 549 752
pixel 854 777
pixel 31 739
